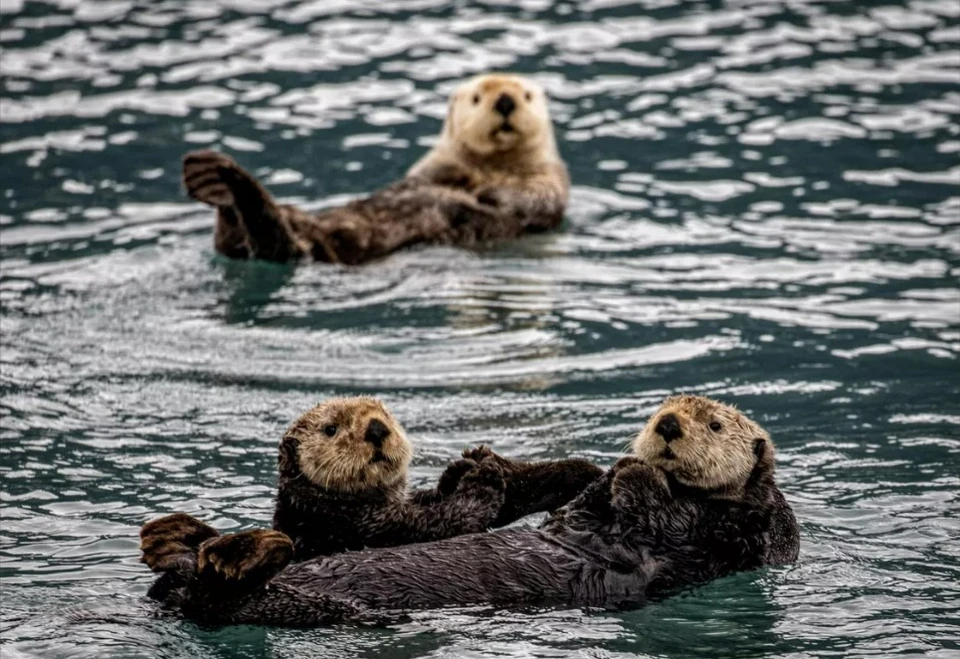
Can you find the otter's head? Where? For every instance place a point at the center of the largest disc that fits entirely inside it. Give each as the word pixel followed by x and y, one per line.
pixel 496 114
pixel 705 444
pixel 346 445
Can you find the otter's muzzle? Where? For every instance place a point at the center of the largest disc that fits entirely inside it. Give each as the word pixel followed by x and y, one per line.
pixel 376 433
pixel 668 427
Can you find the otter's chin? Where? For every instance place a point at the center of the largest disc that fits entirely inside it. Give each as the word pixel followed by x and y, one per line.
pixel 383 467
pixel 504 138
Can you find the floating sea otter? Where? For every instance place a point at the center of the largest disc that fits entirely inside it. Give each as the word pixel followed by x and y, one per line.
pixel 343 486
pixel 696 501
pixel 494 174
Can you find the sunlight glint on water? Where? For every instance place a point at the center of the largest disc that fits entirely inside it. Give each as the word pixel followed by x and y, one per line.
pixel 765 210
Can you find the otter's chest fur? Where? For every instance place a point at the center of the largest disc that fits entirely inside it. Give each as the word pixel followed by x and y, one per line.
pixel 323 525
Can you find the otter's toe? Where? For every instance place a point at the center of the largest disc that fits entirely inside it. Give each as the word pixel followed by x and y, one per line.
pixel 478 453
pixel 484 453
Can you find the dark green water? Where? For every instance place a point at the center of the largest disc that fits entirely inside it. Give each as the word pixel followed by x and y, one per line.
pixel 766 209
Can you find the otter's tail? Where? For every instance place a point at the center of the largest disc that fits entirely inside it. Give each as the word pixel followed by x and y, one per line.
pixel 216 179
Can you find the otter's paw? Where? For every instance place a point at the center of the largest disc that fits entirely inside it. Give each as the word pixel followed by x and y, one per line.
pixel 624 463
pixel 260 554
pixel 487 477
pixel 478 453
pixel 638 480
pixel 203 177
pixel 451 476
pixel 484 453
pixel 166 541
pixel 452 175
pixel 492 196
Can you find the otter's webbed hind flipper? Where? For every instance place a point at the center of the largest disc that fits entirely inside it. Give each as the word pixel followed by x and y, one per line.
pixel 231 567
pixel 246 212
pixel 169 541
pixel 169 546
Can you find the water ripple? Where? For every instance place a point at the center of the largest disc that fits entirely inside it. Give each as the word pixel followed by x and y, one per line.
pixel 765 209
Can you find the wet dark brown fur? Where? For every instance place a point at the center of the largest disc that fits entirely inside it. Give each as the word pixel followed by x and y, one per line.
pixel 348 490
pixel 492 176
pixel 639 532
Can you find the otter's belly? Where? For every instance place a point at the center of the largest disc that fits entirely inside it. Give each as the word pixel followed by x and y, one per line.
pixel 512 566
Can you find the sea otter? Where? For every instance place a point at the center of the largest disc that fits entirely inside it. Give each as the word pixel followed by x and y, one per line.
pixel 696 501
pixel 495 173
pixel 343 486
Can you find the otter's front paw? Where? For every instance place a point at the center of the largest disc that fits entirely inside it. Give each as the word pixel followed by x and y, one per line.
pixel 451 476
pixel 484 453
pixel 260 553
pixel 637 480
pixel 203 177
pixel 472 458
pixel 486 478
pixel 492 196
pixel 452 175
pixel 624 463
pixel 166 541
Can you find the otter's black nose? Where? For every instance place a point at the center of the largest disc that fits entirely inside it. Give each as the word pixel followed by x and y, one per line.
pixel 669 428
pixel 376 433
pixel 505 105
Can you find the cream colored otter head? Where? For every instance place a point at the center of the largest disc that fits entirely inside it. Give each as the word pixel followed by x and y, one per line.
pixel 346 445
pixel 499 113
pixel 705 444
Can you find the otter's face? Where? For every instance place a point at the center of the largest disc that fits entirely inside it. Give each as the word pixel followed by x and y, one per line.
pixel 703 443
pixel 493 114
pixel 347 445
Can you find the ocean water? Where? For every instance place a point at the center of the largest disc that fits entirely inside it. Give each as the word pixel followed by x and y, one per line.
pixel 766 209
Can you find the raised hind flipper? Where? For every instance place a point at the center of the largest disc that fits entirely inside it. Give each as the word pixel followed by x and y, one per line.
pixel 247 214
pixel 168 542
pixel 202 177
pixel 245 560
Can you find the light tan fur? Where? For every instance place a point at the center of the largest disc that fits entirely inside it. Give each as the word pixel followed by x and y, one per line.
pixel 480 150
pixel 717 460
pixel 346 462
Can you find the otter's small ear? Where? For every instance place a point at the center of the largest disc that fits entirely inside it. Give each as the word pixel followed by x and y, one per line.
pixel 287 458
pixel 759 448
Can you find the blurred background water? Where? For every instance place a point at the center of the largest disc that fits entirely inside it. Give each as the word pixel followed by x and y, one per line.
pixel 766 209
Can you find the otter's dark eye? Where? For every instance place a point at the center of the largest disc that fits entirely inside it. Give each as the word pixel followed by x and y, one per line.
pixel 528 96
pixel 715 426
pixel 476 99
pixel 330 430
